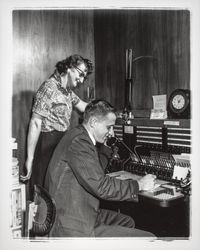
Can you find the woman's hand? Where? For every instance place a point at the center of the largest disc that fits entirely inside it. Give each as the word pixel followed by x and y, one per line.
pixel 28 166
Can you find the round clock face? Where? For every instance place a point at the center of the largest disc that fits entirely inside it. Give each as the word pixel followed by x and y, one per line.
pixel 178 102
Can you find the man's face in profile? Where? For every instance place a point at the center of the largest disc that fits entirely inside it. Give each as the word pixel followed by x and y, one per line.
pixel 104 127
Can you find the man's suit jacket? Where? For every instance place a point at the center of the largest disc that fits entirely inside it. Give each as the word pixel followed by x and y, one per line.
pixel 76 181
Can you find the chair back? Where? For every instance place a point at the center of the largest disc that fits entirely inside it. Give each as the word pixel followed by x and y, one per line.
pixel 45 214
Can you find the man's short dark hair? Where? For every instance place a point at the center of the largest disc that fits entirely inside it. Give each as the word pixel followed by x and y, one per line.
pixel 98 108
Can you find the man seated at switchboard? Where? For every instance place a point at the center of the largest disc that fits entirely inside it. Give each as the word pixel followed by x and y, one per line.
pixel 76 181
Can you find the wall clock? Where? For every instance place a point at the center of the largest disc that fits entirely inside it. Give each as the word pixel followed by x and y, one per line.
pixel 179 104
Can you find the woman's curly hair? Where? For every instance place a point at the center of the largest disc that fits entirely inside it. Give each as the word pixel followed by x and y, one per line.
pixel 74 60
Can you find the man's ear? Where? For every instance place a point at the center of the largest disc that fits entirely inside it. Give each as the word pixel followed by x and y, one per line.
pixel 92 121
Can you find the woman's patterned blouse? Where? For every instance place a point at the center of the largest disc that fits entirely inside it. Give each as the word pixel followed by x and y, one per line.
pixel 54 104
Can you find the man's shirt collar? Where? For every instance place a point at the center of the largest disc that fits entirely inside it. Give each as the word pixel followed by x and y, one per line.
pixel 91 136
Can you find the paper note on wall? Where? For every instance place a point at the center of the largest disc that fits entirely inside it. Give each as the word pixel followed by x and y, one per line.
pixel 159 107
pixel 160 102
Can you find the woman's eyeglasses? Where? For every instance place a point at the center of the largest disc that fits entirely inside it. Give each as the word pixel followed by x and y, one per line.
pixel 81 72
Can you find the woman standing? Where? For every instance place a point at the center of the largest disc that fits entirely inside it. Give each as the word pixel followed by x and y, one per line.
pixel 51 115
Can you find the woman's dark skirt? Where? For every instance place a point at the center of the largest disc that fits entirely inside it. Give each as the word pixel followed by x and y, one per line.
pixel 47 142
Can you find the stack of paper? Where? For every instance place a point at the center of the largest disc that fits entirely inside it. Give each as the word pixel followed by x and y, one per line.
pixel 159 110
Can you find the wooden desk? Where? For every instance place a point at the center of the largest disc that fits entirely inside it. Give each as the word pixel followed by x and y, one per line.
pixel 164 215
pixel 163 195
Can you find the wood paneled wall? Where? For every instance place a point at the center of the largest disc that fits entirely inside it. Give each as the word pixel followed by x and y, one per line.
pixel 161 35
pixel 40 39
pixel 43 37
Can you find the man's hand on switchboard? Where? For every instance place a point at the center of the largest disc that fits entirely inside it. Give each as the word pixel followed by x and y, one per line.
pixel 147 182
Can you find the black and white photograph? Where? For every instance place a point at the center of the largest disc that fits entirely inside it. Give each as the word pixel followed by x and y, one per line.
pixel 100 125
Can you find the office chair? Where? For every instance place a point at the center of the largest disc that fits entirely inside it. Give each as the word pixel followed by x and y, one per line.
pixel 44 216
